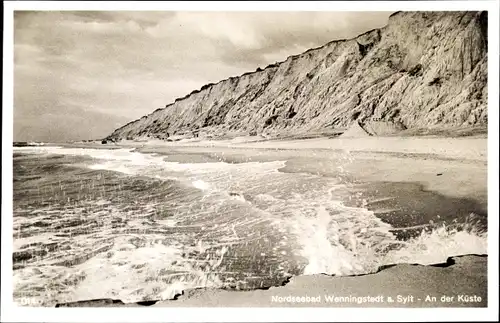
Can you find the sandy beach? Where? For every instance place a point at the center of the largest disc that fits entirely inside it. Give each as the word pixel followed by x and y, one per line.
pixel 412 183
pixel 410 286
pixel 251 162
pixel 452 166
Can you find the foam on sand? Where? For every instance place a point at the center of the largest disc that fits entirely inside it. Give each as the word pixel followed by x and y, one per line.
pixel 248 212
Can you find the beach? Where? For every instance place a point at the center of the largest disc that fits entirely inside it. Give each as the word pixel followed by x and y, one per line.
pixel 432 191
pixel 395 159
pixel 251 163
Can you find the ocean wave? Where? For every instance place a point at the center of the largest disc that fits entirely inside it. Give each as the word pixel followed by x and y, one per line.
pixel 134 235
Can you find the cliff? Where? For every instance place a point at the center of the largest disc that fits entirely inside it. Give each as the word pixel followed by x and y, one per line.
pixel 422 70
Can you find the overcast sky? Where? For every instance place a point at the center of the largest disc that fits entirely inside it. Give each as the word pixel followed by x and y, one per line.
pixel 81 74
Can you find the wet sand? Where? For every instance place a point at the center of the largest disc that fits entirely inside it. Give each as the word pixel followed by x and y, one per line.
pixel 454 167
pixel 407 285
pixel 407 182
pixel 412 183
pixel 460 282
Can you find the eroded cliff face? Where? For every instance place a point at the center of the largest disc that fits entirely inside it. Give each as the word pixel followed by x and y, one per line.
pixel 423 70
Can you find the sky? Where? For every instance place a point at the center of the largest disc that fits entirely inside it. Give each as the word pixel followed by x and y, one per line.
pixel 81 74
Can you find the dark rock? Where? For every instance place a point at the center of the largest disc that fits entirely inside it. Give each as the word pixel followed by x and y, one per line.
pixel 416 70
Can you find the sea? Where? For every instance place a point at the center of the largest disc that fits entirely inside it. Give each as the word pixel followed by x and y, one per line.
pixel 94 223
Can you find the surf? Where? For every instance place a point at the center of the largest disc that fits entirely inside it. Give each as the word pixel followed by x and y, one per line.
pixel 142 228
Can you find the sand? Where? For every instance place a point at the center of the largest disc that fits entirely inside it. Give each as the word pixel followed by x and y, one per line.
pixel 429 175
pixel 460 282
pixel 455 167
pixel 407 285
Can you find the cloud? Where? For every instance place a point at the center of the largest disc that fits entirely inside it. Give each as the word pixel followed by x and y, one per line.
pixel 118 66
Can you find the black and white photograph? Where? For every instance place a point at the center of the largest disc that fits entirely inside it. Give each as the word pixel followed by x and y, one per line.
pixel 283 158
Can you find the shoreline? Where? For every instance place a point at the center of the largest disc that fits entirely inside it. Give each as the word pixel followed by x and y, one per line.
pixel 407 285
pixel 395 176
pixel 469 148
pixel 429 183
pixel 455 167
pixel 412 183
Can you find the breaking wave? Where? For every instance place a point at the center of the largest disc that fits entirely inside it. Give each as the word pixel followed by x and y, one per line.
pixel 136 227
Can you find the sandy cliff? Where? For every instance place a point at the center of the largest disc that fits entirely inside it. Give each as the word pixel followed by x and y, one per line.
pixel 423 70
